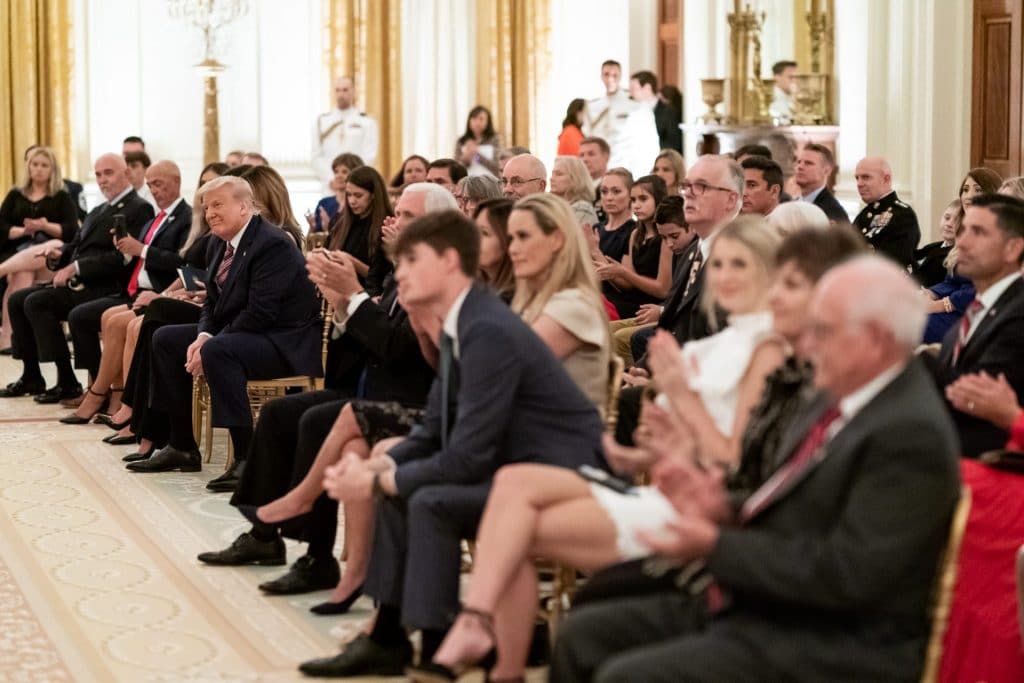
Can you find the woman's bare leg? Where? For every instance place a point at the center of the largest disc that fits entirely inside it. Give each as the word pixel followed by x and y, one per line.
pixel 532 510
pixel 15 281
pixel 28 260
pixel 300 499
pixel 112 331
pixel 358 535
pixel 124 413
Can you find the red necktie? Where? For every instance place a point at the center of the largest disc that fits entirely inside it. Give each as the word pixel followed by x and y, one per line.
pixel 779 481
pixel 965 327
pixel 133 283
pixel 225 265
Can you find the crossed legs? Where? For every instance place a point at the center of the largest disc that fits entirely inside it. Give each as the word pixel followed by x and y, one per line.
pixel 22 270
pixel 113 324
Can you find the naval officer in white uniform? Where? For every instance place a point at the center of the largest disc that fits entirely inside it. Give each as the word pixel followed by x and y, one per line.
pixel 343 129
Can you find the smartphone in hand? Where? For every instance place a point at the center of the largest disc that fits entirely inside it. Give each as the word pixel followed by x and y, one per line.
pixel 119 226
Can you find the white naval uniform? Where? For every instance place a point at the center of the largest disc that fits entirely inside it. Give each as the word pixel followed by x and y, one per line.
pixel 606 115
pixel 339 131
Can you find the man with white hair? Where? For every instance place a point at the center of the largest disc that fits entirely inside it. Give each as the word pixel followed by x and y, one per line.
pixel 87 268
pixel 839 545
pixel 260 320
pixel 371 336
pixel 523 175
pixel 889 225
pixel 343 129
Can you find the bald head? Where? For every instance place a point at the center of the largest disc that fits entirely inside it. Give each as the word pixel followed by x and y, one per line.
pixel 856 337
pixel 523 175
pixel 874 178
pixel 164 181
pixel 111 174
pixel 344 92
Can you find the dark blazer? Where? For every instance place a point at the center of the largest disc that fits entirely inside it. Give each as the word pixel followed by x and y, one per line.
pixel 267 292
pixel 667 121
pixel 75 190
pixel 514 403
pixel 162 258
pixel 827 202
pixel 995 347
pixel 833 579
pixel 891 228
pixel 928 266
pixel 100 265
pixel 683 315
pixel 395 368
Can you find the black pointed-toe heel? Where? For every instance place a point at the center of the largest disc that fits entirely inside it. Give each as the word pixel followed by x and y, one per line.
pixel 431 672
pixel 340 607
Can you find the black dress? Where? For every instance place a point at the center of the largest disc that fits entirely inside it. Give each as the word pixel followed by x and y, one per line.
pixel 16 207
pixel 646 255
pixel 614 243
pixel 927 267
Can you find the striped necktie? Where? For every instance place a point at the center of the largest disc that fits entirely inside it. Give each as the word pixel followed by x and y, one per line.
pixel 965 327
pixel 225 265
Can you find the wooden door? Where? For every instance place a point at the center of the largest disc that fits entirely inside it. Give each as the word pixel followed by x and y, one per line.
pixel 670 34
pixel 996 123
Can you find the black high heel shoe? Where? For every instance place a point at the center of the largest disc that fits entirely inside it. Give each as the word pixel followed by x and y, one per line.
pixel 105 419
pixel 340 607
pixel 73 419
pixel 116 439
pixel 431 672
pixel 249 512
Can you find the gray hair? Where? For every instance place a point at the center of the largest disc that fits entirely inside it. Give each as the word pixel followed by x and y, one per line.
pixel 479 188
pixel 437 198
pixel 892 299
pixel 789 217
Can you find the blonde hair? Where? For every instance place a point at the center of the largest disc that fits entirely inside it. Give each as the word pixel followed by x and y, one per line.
pixel 580 184
pixel 56 183
pixel 571 267
pixel 1013 187
pixel 754 233
pixel 678 164
pixel 949 263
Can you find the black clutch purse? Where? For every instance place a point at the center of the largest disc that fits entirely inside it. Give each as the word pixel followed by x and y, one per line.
pixel 1004 460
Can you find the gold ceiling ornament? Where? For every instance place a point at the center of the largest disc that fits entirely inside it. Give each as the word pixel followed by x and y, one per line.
pixel 209 16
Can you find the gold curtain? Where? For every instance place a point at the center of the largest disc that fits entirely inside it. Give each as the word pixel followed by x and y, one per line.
pixel 511 59
pixel 363 39
pixel 36 59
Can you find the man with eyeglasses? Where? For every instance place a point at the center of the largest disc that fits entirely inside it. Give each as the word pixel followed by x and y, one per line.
pixel 523 175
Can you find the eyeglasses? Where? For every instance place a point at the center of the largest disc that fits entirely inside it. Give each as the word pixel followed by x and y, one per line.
pixel 699 188
pixel 516 181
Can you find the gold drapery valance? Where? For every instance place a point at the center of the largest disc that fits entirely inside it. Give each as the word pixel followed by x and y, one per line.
pixel 512 58
pixel 363 40
pixel 36 59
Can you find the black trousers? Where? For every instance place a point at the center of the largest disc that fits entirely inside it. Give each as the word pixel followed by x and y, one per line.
pixel 416 557
pixel 288 437
pixel 151 422
pixel 84 320
pixel 36 316
pixel 653 638
pixel 629 414
pixel 230 360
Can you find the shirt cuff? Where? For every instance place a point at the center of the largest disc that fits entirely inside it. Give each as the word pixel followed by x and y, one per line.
pixel 353 305
pixel 204 334
pixel 145 250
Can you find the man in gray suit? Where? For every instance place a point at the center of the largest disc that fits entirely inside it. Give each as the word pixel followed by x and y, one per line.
pixel 825 572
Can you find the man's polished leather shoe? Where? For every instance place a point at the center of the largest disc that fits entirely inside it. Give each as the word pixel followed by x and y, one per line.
pixel 247 549
pixel 167 459
pixel 361 657
pixel 58 393
pixel 307 574
pixel 22 388
pixel 228 481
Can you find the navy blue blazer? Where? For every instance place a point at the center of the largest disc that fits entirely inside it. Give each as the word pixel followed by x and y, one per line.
pixel 827 202
pixel 162 257
pixel 267 292
pixel 100 265
pixel 514 403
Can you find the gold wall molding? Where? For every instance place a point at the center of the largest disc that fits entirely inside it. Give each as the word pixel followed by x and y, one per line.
pixel 363 40
pixel 36 61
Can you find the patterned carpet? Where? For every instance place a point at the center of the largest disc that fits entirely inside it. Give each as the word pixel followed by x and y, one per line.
pixel 98 576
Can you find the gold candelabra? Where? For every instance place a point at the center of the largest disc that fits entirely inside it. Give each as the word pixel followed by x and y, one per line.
pixel 209 16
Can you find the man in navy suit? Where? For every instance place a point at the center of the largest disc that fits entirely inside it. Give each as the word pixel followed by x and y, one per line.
pixel 989 336
pixel 150 261
pixel 501 396
pixel 814 166
pixel 826 571
pixel 260 320
pixel 88 268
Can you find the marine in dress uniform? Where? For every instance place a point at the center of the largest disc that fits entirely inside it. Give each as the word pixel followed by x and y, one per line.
pixel 342 130
pixel 890 227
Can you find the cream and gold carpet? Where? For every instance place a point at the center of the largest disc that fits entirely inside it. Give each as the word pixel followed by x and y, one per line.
pixel 98 576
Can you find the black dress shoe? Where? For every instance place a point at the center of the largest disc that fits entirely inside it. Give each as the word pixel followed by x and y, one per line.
pixel 361 657
pixel 340 607
pixel 118 440
pixel 307 574
pixel 22 388
pixel 139 455
pixel 56 394
pixel 167 459
pixel 75 420
pixel 228 481
pixel 247 549
pixel 104 419
pixel 7 351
